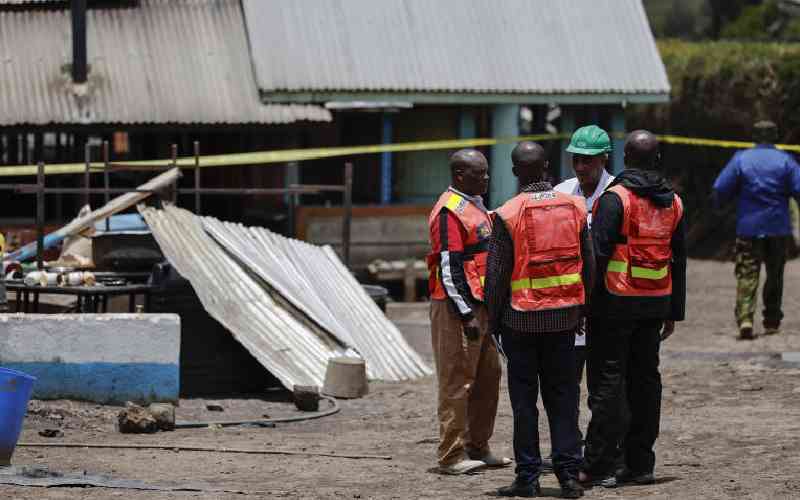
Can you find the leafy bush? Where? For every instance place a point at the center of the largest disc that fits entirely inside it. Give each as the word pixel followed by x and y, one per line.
pixel 719 89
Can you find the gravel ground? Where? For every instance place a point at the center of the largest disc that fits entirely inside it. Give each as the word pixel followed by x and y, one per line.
pixel 730 427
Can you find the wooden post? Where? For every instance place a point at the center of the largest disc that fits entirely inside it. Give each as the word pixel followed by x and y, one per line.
pixel 40 216
pixel 87 183
pixel 197 177
pixel 348 212
pixel 106 181
pixel 174 155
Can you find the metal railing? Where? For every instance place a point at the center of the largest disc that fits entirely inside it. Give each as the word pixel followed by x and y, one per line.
pixel 40 190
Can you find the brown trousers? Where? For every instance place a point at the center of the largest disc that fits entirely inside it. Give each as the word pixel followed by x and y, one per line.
pixel 468 373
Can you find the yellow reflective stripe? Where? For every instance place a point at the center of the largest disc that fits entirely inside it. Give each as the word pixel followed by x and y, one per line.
pixel 549 282
pixel 617 266
pixel 649 274
pixel 522 284
pixel 483 279
pixel 554 281
pixel 453 202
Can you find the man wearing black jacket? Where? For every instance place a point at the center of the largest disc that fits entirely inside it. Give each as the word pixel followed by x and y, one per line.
pixel 639 237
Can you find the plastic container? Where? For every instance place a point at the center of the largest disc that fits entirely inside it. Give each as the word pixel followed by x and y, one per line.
pixel 15 391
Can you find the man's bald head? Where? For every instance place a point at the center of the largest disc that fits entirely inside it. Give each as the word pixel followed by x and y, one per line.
pixel 465 158
pixel 469 171
pixel 530 162
pixel 641 150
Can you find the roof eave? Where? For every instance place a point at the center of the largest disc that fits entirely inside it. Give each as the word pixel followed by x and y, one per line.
pixel 320 97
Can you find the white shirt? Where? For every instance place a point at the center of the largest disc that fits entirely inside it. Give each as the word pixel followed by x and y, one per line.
pixel 571 186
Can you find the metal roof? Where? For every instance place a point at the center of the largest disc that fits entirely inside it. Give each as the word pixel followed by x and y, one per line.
pixel 292 305
pixel 176 61
pixel 466 46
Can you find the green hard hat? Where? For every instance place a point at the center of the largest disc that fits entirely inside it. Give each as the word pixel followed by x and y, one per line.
pixel 590 140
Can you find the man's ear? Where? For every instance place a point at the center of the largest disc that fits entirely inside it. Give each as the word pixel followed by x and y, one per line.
pixel 515 171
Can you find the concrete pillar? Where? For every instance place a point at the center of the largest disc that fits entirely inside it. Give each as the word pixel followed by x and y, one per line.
pixel 617 138
pixel 567 127
pixel 503 184
pixel 387 132
pixel 467 124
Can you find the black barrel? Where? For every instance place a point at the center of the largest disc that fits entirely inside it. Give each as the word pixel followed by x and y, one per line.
pixel 379 294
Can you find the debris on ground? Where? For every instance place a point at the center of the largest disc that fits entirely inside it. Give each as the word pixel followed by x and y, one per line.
pixel 164 413
pixel 306 397
pixel 135 419
pixel 51 433
pixel 214 408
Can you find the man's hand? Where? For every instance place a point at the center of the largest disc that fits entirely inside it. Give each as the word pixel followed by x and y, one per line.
pixel 472 329
pixel 669 329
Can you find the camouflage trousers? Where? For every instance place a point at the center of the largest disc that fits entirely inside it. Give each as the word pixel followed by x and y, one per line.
pixel 750 253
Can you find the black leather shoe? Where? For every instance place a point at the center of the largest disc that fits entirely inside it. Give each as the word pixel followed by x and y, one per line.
pixel 520 489
pixel 628 477
pixel 571 488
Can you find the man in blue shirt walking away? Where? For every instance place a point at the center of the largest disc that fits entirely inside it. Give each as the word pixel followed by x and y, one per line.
pixel 762 179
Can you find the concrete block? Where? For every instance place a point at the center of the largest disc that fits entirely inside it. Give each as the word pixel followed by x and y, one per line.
pixel 95 357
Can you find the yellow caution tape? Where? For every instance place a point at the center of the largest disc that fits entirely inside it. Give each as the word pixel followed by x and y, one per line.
pixel 292 155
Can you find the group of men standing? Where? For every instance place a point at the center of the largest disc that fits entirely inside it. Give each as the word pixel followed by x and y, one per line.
pixel 592 268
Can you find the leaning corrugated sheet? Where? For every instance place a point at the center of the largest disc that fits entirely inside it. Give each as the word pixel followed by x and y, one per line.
pixel 315 281
pixel 176 61
pixel 477 46
pixel 291 304
pixel 296 353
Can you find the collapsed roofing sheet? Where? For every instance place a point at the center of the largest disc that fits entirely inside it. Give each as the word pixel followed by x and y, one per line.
pixel 475 46
pixel 291 304
pixel 176 61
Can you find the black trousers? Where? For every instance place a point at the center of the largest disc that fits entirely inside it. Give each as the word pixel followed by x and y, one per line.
pixel 549 358
pixel 623 368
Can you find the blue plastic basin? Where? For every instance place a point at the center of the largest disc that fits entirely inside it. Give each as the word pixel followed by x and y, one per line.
pixel 15 391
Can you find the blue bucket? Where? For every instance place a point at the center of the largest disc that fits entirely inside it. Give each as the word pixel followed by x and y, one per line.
pixel 15 391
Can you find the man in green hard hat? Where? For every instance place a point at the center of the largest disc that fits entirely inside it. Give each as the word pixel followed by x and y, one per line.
pixel 589 146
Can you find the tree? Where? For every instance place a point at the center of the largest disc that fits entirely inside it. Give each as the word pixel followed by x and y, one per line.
pixel 725 11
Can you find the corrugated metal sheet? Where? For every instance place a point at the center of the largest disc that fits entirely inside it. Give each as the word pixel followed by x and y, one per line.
pixel 290 304
pixel 316 282
pixel 479 46
pixel 176 61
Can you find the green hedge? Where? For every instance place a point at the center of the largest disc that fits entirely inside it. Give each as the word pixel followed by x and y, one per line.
pixel 719 89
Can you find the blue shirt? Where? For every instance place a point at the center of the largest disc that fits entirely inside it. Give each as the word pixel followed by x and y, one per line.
pixel 762 179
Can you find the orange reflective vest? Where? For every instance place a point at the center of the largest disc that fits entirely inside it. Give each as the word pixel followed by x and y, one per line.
pixel 478 225
pixel 642 265
pixel 546 229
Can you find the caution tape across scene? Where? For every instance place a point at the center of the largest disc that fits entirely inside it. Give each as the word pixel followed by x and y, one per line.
pixel 292 155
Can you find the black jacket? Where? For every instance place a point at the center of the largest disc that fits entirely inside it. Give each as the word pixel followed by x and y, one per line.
pixel 606 224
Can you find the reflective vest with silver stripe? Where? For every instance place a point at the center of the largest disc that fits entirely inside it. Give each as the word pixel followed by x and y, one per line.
pixel 546 230
pixel 641 266
pixel 478 225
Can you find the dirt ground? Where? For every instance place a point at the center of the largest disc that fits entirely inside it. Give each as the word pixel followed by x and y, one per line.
pixel 730 427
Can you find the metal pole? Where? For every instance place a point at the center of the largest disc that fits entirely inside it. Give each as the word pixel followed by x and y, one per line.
pixel 348 211
pixel 106 181
pixel 87 184
pixel 174 155
pixel 40 216
pixel 197 207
